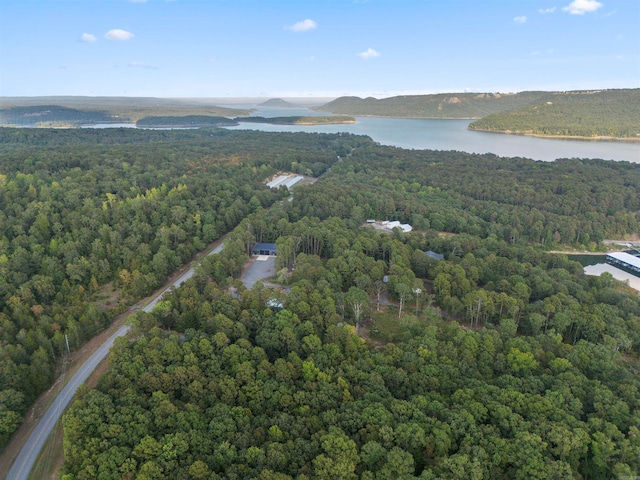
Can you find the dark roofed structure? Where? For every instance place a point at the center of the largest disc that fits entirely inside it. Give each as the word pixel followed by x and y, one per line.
pixel 264 249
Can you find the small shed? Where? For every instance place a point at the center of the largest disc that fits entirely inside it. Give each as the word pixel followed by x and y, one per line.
pixel 434 255
pixel 264 249
pixel 275 304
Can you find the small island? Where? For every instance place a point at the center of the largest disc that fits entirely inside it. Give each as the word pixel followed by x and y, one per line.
pixel 185 121
pixel 195 121
pixel 300 120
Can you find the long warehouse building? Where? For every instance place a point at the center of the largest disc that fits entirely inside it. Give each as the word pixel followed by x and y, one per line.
pixel 624 261
pixel 285 181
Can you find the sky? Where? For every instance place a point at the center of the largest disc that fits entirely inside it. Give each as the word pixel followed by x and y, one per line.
pixel 315 48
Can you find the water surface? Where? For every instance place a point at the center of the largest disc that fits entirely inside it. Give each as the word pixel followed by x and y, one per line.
pixel 433 134
pixel 420 133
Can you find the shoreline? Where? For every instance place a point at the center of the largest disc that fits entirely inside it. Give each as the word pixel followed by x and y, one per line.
pixel 560 137
pixel 350 122
pixel 403 117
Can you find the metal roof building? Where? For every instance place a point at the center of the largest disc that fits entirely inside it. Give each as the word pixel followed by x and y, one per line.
pixel 405 227
pixel 434 255
pixel 264 249
pixel 625 261
pixel 288 181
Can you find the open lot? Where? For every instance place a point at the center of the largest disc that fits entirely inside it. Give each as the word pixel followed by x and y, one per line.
pixel 260 268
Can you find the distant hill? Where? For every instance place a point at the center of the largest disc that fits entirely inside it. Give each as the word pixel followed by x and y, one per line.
pixel 583 114
pixel 278 102
pixel 591 114
pixel 123 109
pixel 48 115
pixel 442 105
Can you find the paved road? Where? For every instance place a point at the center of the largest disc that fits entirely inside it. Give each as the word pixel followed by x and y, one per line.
pixel 27 457
pixel 29 453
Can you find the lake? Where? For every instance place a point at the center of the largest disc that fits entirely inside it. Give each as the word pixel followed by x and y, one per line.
pixel 586 260
pixel 419 133
pixel 445 135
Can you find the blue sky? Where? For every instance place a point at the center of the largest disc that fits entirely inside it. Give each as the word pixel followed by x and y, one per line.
pixel 302 48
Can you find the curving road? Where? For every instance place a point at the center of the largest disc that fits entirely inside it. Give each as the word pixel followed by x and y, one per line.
pixel 27 457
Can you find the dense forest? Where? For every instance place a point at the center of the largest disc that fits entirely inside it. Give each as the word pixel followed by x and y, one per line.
pixel 500 361
pixel 84 212
pixel 222 386
pixel 607 113
pixel 569 201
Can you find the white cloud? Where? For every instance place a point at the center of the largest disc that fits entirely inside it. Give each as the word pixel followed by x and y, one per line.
pixel 87 37
pixel 117 34
pixel 369 53
pixel 580 7
pixel 135 64
pixel 303 26
pixel 544 11
pixel 521 19
pixel 537 53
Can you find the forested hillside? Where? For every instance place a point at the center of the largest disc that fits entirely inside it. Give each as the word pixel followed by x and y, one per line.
pixel 500 361
pixel 607 113
pixel 536 390
pixel 84 212
pixel 590 114
pixel 51 114
pixel 74 111
pixel 441 105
